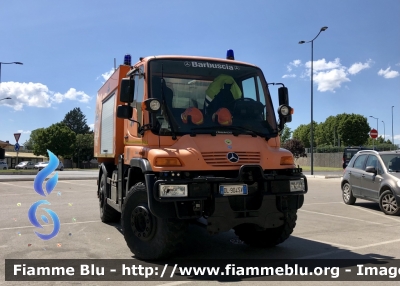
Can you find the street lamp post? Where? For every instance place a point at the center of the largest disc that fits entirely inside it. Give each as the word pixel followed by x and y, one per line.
pixel 312 95
pixel 384 131
pixel 376 123
pixel 1 63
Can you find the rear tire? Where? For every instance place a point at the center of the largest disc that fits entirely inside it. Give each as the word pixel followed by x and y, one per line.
pixel 107 213
pixel 347 194
pixel 148 236
pixel 269 237
pixel 388 203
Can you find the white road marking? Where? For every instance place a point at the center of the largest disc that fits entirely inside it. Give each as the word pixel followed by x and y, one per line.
pixel 175 283
pixel 343 250
pixel 381 214
pixel 30 226
pixel 343 217
pixel 17 185
pixel 322 203
pixel 68 182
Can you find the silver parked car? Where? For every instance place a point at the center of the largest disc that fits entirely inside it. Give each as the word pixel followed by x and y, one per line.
pixel 42 165
pixel 25 165
pixel 374 176
pixel 3 165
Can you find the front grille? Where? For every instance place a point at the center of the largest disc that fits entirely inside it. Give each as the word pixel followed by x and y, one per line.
pixel 219 159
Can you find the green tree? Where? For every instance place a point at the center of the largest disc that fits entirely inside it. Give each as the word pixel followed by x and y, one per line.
pixel 353 129
pixel 285 134
pixel 76 121
pixel 58 138
pixel 302 133
pixel 84 147
pixel 327 132
pixel 29 144
pixel 296 147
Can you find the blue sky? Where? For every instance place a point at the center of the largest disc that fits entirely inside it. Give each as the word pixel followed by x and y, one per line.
pixel 68 48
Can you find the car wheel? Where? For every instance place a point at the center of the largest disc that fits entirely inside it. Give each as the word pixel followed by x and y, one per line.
pixel 347 194
pixel 388 203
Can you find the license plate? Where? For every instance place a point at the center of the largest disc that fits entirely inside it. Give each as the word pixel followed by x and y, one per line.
pixel 233 190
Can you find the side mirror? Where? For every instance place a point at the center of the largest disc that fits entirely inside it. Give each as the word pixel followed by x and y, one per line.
pixel 371 169
pixel 127 90
pixel 124 111
pixel 283 94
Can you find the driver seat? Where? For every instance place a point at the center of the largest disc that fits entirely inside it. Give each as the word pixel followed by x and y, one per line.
pixel 223 99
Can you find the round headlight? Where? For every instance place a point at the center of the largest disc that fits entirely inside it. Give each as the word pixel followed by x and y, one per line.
pixel 154 105
pixel 284 110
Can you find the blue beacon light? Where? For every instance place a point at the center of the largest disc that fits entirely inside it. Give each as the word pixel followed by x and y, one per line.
pixel 229 55
pixel 127 59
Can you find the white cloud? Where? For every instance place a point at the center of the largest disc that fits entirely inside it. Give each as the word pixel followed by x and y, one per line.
pixel 294 63
pixel 387 73
pixel 36 94
pixel 24 132
pixel 91 126
pixel 107 75
pixel 330 80
pixel 323 65
pixel 330 75
pixel 288 75
pixel 357 67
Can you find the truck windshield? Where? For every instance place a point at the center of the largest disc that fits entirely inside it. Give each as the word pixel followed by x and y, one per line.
pixel 210 97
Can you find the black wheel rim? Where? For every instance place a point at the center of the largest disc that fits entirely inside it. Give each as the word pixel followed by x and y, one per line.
pixel 142 223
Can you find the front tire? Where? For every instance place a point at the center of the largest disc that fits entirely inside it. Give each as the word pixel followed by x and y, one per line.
pixel 347 194
pixel 148 236
pixel 388 203
pixel 107 213
pixel 269 237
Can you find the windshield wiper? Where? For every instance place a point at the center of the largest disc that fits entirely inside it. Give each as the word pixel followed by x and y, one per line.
pixel 221 127
pixel 165 105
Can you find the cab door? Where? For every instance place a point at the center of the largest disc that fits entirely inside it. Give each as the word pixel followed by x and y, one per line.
pixel 132 127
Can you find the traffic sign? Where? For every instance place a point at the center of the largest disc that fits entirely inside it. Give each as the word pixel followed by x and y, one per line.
pixel 17 135
pixel 373 133
pixel 16 147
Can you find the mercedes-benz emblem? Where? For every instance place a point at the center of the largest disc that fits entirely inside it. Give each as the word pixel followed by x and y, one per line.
pixel 232 157
pixel 237 68
pixel 187 64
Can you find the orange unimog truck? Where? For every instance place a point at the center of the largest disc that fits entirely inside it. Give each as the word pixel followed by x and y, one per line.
pixel 187 139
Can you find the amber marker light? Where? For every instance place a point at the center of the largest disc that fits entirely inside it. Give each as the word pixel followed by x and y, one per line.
pixel 167 162
pixel 287 160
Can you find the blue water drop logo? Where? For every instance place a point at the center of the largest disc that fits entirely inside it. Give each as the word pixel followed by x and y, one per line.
pixel 32 218
pixel 42 175
pixel 38 187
